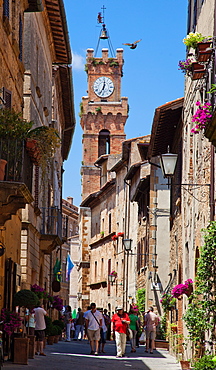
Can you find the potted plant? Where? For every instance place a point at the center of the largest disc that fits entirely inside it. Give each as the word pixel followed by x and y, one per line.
pixel 197 70
pixel 28 300
pixel 102 234
pixel 204 50
pixel 44 140
pixel 185 65
pixel 13 131
pixel 185 288
pixel 51 330
pixel 114 237
pixel 201 117
pixel 192 39
pixel 168 302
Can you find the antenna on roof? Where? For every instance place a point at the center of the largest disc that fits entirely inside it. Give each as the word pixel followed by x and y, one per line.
pixel 104 35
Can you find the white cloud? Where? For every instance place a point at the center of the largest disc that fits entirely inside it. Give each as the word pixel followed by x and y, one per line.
pixel 78 62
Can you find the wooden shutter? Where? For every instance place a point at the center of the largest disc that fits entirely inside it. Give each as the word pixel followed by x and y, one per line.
pixel 6 8
pixel 7 96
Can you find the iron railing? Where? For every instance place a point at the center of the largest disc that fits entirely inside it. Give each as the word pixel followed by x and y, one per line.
pixel 19 165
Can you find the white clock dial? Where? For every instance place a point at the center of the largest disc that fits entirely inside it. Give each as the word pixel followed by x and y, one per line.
pixel 103 87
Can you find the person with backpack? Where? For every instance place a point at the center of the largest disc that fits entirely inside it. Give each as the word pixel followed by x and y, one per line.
pixel 80 321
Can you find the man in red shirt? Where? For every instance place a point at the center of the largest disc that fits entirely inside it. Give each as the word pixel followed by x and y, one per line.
pixel 120 322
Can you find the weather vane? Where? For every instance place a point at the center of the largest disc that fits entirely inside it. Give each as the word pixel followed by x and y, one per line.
pixel 104 35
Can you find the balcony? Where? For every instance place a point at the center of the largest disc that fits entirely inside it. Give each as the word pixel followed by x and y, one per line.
pixel 16 183
pixel 51 229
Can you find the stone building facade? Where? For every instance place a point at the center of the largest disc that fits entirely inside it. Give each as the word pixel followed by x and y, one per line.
pixel 11 97
pixel 70 231
pixel 37 81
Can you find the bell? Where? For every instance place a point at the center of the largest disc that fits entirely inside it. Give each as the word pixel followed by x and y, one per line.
pixel 104 35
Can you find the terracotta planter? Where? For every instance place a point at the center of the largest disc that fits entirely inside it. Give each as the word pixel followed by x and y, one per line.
pixel 160 343
pixel 50 339
pixel 185 365
pixel 56 338
pixel 198 70
pixel 21 351
pixel 3 163
pixel 33 150
pixel 204 51
pixel 31 346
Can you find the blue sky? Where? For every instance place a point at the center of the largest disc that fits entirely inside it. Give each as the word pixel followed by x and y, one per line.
pixel 151 76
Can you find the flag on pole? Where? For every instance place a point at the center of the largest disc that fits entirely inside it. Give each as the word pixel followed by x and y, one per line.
pixel 69 267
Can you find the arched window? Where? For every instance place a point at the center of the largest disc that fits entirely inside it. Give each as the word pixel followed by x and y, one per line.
pixel 104 142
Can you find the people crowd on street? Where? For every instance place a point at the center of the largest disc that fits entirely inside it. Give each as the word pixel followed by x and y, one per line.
pixel 95 324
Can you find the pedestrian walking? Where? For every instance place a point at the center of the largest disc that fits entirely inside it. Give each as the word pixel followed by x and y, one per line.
pixel 30 322
pixel 150 321
pixel 93 320
pixel 133 327
pixel 84 315
pixel 67 321
pixel 103 333
pixel 120 322
pixel 40 326
pixel 80 321
pixel 107 323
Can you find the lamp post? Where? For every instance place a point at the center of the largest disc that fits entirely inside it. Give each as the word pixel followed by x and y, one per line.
pixel 79 296
pixel 128 248
pixel 111 279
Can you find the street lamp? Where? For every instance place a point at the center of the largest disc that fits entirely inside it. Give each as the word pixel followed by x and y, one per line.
pixel 111 279
pixel 127 244
pixel 168 163
pixel 79 296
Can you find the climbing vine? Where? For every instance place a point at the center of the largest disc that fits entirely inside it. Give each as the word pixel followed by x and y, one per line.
pixel 201 314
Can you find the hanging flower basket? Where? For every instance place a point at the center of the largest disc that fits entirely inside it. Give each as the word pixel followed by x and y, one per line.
pixel 204 51
pixel 114 273
pixel 198 70
pixel 185 288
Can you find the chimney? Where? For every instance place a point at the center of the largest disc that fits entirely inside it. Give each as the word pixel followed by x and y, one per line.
pixel 70 200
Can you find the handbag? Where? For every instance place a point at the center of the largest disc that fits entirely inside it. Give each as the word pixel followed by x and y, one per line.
pixel 142 338
pixel 129 333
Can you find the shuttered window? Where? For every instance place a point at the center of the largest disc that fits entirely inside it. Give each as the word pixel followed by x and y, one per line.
pixel 20 38
pixel 7 96
pixel 6 8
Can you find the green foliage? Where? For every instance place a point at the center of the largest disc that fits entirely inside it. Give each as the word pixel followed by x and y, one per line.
pixel 81 110
pixel 212 90
pixel 50 328
pixel 26 298
pixel 205 363
pixel 201 313
pixel 162 328
pixel 98 110
pixel 168 302
pixel 12 125
pixel 59 323
pixel 140 298
pixel 192 39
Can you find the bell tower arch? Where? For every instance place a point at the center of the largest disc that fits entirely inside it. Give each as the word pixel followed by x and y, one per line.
pixel 103 115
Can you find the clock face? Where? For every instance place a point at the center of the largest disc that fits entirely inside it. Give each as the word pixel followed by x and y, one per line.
pixel 103 87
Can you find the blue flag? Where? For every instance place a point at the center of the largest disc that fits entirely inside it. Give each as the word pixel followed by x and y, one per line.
pixel 69 267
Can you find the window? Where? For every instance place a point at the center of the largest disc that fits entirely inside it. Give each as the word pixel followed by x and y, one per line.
pixel 104 142
pixel 20 38
pixel 6 8
pixel 109 271
pixel 7 98
pixel 110 223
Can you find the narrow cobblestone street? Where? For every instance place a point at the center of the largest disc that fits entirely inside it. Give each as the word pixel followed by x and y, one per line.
pixel 75 355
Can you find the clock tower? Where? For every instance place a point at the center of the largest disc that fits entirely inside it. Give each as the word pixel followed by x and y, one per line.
pixel 103 115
